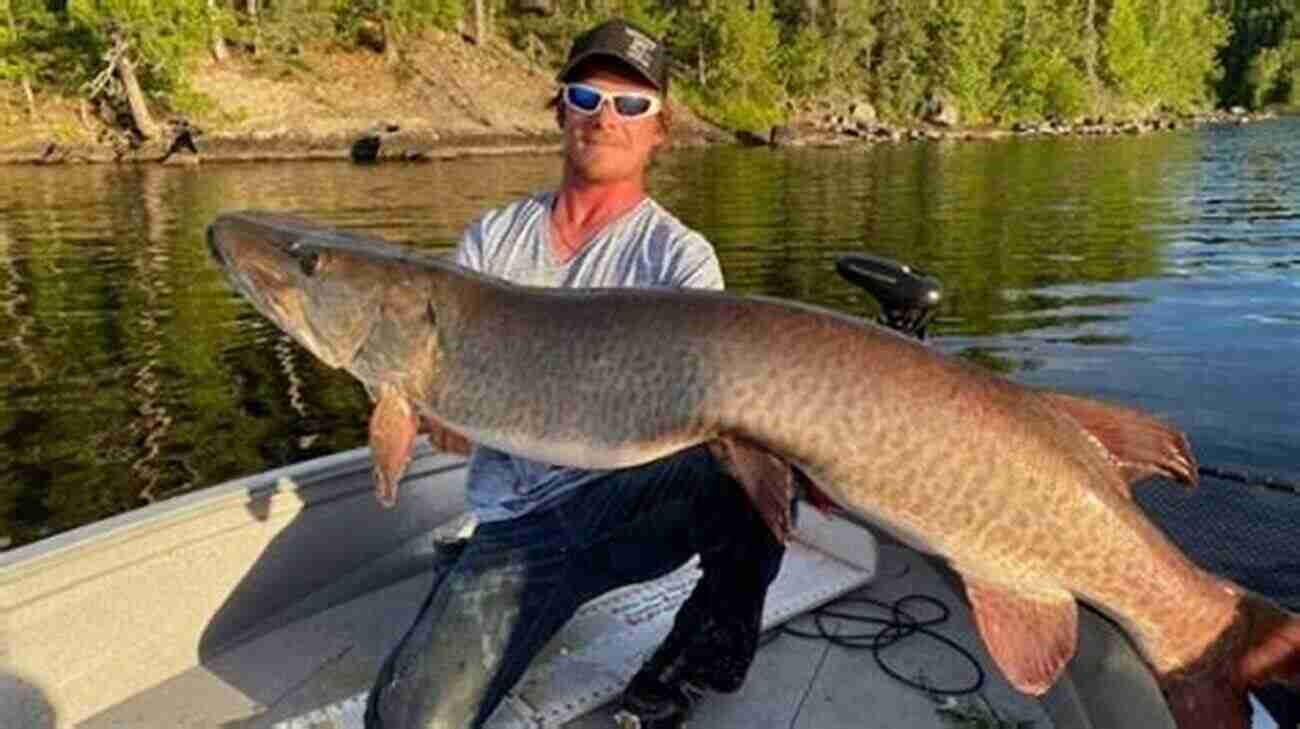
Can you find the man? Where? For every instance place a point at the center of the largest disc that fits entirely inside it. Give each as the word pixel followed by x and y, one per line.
pixel 550 538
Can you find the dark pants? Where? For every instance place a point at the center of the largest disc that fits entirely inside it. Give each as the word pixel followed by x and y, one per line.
pixel 515 584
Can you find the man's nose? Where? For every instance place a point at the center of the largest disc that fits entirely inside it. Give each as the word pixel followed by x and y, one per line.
pixel 606 115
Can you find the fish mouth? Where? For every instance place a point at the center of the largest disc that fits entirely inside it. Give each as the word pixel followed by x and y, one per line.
pixel 269 265
pixel 214 248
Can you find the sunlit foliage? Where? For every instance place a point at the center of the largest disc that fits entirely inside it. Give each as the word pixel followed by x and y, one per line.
pixel 744 63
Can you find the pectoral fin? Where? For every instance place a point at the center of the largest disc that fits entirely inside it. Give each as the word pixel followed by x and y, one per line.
pixel 1137 444
pixel 444 439
pixel 1031 638
pixel 393 427
pixel 767 480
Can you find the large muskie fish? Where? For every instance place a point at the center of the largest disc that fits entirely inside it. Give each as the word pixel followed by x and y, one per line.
pixel 1026 493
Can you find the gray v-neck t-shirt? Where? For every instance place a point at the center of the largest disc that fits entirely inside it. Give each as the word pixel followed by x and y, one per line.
pixel 646 246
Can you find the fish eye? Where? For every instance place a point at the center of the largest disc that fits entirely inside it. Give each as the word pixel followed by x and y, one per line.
pixel 309 259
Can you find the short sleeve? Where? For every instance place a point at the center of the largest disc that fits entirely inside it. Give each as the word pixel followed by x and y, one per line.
pixel 469 252
pixel 694 264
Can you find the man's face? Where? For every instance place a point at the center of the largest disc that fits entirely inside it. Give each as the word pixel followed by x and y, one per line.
pixel 605 147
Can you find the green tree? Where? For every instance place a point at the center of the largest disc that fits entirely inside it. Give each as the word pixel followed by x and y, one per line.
pixel 744 87
pixel 801 61
pixel 1183 42
pixel 1288 86
pixel 850 35
pixel 553 33
pixel 965 51
pixel 12 67
pixel 1273 69
pixel 1041 75
pixel 1264 77
pixel 899 58
pixel 1254 25
pixel 1128 57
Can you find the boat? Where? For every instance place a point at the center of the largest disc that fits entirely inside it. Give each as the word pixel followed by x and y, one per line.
pixel 269 601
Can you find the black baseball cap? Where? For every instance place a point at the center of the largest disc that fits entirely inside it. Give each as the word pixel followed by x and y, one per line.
pixel 620 40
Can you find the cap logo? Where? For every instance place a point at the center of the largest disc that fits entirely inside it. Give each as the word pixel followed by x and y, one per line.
pixel 640 47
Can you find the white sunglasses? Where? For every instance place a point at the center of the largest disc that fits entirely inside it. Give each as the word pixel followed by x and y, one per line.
pixel 587 100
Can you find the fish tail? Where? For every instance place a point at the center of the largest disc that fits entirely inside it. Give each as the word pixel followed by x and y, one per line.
pixel 1272 647
pixel 1265 649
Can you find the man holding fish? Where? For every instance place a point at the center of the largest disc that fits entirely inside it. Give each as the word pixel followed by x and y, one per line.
pixel 549 538
pixel 1027 494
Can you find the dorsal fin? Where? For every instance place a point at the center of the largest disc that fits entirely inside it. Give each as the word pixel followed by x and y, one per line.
pixel 1137 444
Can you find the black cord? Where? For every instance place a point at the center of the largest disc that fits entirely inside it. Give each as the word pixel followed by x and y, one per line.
pixel 898 626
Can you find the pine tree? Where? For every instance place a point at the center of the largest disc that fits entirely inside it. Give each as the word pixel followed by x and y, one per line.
pixel 1186 39
pixel 1042 78
pixel 850 34
pixel 1126 53
pixel 745 87
pixel 967 38
pixel 898 60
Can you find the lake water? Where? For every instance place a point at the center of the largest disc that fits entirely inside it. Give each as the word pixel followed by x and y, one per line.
pixel 1162 272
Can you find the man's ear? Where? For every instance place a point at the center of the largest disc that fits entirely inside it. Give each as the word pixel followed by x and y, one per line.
pixel 557 104
pixel 661 143
pixel 665 126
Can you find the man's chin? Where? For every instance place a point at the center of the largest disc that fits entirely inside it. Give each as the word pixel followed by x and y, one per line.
pixel 596 170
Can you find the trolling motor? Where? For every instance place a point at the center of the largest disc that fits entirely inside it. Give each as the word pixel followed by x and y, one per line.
pixel 908 299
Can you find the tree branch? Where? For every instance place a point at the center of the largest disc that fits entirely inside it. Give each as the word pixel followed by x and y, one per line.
pixel 119 67
pixel 31 98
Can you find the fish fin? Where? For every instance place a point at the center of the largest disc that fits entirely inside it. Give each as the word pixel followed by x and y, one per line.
pixel 813 494
pixel 444 439
pixel 1207 702
pixel 1261 647
pixel 1272 651
pixel 1139 445
pixel 1030 637
pixel 767 480
pixel 393 427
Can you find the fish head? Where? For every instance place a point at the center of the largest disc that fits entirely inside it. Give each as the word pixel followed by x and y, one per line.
pixel 324 298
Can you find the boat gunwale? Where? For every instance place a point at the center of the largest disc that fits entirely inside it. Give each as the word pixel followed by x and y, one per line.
pixel 297 478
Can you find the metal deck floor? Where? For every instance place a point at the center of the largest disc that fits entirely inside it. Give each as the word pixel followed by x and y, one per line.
pixel 292 676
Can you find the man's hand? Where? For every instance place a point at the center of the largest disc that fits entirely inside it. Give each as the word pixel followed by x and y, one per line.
pixel 443 439
pixel 768 481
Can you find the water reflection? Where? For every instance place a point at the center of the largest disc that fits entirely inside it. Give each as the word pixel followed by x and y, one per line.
pixel 1158 271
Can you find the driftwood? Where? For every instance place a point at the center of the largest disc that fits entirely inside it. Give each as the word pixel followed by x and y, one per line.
pixel 144 123
pixel 118 81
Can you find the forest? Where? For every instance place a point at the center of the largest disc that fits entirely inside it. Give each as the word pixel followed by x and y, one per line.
pixel 744 64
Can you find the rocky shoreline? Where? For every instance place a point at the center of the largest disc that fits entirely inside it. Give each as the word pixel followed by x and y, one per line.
pixel 857 124
pixel 185 145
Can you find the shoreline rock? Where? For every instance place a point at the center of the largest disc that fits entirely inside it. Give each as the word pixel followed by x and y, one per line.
pixel 387 143
pixel 286 145
pixel 833 130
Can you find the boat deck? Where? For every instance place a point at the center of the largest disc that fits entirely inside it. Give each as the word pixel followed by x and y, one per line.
pixel 308 674
pixel 269 603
